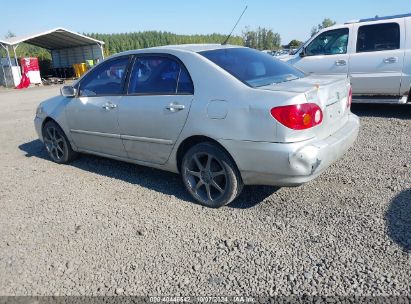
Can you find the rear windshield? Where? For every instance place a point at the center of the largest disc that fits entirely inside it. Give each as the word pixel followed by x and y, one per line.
pixel 253 67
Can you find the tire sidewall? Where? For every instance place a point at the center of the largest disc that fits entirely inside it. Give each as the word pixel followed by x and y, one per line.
pixel 233 178
pixel 67 147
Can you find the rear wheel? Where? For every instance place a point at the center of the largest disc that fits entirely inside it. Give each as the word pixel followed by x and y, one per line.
pixel 210 175
pixel 57 144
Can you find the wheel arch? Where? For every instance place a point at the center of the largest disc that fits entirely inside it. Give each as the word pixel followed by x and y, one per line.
pixel 46 120
pixel 191 141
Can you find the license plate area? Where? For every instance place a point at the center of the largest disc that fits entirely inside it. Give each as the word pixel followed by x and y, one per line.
pixel 334 112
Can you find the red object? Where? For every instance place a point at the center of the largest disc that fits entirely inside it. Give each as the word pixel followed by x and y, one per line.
pixel 31 63
pixel 298 117
pixel 27 65
pixel 349 101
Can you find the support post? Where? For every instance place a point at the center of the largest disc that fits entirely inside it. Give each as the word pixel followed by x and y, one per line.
pixel 15 58
pixel 4 76
pixel 4 73
pixel 102 50
pixel 11 66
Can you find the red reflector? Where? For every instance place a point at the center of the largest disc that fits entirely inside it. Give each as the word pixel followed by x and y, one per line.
pixel 349 101
pixel 298 117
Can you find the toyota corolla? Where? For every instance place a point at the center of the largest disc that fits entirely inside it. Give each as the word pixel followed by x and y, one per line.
pixel 221 116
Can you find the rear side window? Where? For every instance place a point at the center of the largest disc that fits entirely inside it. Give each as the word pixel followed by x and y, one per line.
pixel 106 79
pixel 378 37
pixel 159 75
pixel 253 67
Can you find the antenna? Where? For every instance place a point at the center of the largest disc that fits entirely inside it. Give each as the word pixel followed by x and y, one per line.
pixel 229 35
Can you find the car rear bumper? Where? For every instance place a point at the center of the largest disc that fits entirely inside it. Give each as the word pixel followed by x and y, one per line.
pixel 282 164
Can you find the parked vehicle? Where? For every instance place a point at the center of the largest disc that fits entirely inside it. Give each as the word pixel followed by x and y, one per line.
pixel 282 52
pixel 221 116
pixel 269 52
pixel 375 53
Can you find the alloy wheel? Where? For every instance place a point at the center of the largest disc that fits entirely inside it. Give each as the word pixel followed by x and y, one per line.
pixel 206 177
pixel 55 143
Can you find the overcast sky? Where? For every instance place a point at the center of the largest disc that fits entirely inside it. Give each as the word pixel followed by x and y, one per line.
pixel 292 19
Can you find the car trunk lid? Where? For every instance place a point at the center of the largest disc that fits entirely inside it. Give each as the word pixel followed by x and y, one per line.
pixel 329 93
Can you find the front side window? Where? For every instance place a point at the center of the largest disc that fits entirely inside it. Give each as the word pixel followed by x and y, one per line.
pixel 378 37
pixel 106 79
pixel 159 75
pixel 253 67
pixel 333 42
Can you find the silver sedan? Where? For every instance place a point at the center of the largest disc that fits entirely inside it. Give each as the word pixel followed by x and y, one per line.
pixel 221 116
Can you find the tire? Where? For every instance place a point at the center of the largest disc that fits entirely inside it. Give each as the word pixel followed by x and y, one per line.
pixel 210 175
pixel 57 145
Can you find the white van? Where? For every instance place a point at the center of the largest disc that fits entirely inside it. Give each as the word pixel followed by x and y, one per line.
pixel 375 53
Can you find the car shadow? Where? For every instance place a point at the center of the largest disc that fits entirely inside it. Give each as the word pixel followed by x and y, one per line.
pixel 161 181
pixel 400 111
pixel 398 220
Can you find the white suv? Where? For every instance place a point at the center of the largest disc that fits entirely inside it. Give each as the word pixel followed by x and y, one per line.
pixel 375 53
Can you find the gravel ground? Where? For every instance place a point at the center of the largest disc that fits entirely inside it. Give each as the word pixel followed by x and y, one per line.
pixel 102 227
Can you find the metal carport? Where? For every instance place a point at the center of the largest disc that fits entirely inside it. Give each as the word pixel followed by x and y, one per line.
pixel 66 47
pixel 5 45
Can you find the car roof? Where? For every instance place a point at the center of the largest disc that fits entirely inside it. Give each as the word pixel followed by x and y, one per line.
pixel 194 48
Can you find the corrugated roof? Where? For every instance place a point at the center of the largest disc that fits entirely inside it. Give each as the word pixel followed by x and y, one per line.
pixel 58 38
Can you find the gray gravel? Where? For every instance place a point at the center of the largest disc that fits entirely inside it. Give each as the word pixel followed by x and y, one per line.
pixel 102 227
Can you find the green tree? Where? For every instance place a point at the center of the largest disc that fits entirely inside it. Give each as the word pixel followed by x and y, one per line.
pixel 115 43
pixel 327 22
pixel 9 34
pixel 261 39
pixel 294 44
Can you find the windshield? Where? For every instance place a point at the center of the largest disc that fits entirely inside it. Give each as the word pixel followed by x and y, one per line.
pixel 253 67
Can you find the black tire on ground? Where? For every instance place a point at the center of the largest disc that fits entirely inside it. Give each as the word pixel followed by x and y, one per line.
pixel 57 144
pixel 210 175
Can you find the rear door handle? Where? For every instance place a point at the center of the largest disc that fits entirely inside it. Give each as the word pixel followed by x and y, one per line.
pixel 175 107
pixel 109 106
pixel 341 62
pixel 391 60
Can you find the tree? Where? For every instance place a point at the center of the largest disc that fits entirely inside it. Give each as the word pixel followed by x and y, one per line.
pixel 276 40
pixel 115 43
pixel 327 22
pixel 261 39
pixel 294 44
pixel 9 34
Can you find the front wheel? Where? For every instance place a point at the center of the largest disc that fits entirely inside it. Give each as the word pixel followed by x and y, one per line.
pixel 57 144
pixel 210 175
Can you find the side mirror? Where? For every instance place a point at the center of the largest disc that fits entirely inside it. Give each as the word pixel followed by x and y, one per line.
pixel 68 91
pixel 302 53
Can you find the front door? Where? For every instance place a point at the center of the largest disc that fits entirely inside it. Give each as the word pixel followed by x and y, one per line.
pixel 92 116
pixel 376 66
pixel 153 114
pixel 326 54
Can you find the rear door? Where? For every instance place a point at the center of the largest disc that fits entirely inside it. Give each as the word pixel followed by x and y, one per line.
pixel 92 116
pixel 328 53
pixel 153 114
pixel 377 63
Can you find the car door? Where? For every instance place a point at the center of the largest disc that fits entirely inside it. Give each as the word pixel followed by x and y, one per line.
pixel 376 66
pixel 328 53
pixel 92 116
pixel 153 114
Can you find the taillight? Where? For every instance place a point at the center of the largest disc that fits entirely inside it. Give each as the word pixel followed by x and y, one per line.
pixel 349 100
pixel 299 116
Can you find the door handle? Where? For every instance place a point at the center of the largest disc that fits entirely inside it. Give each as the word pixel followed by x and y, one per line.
pixel 109 106
pixel 341 62
pixel 175 107
pixel 391 60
